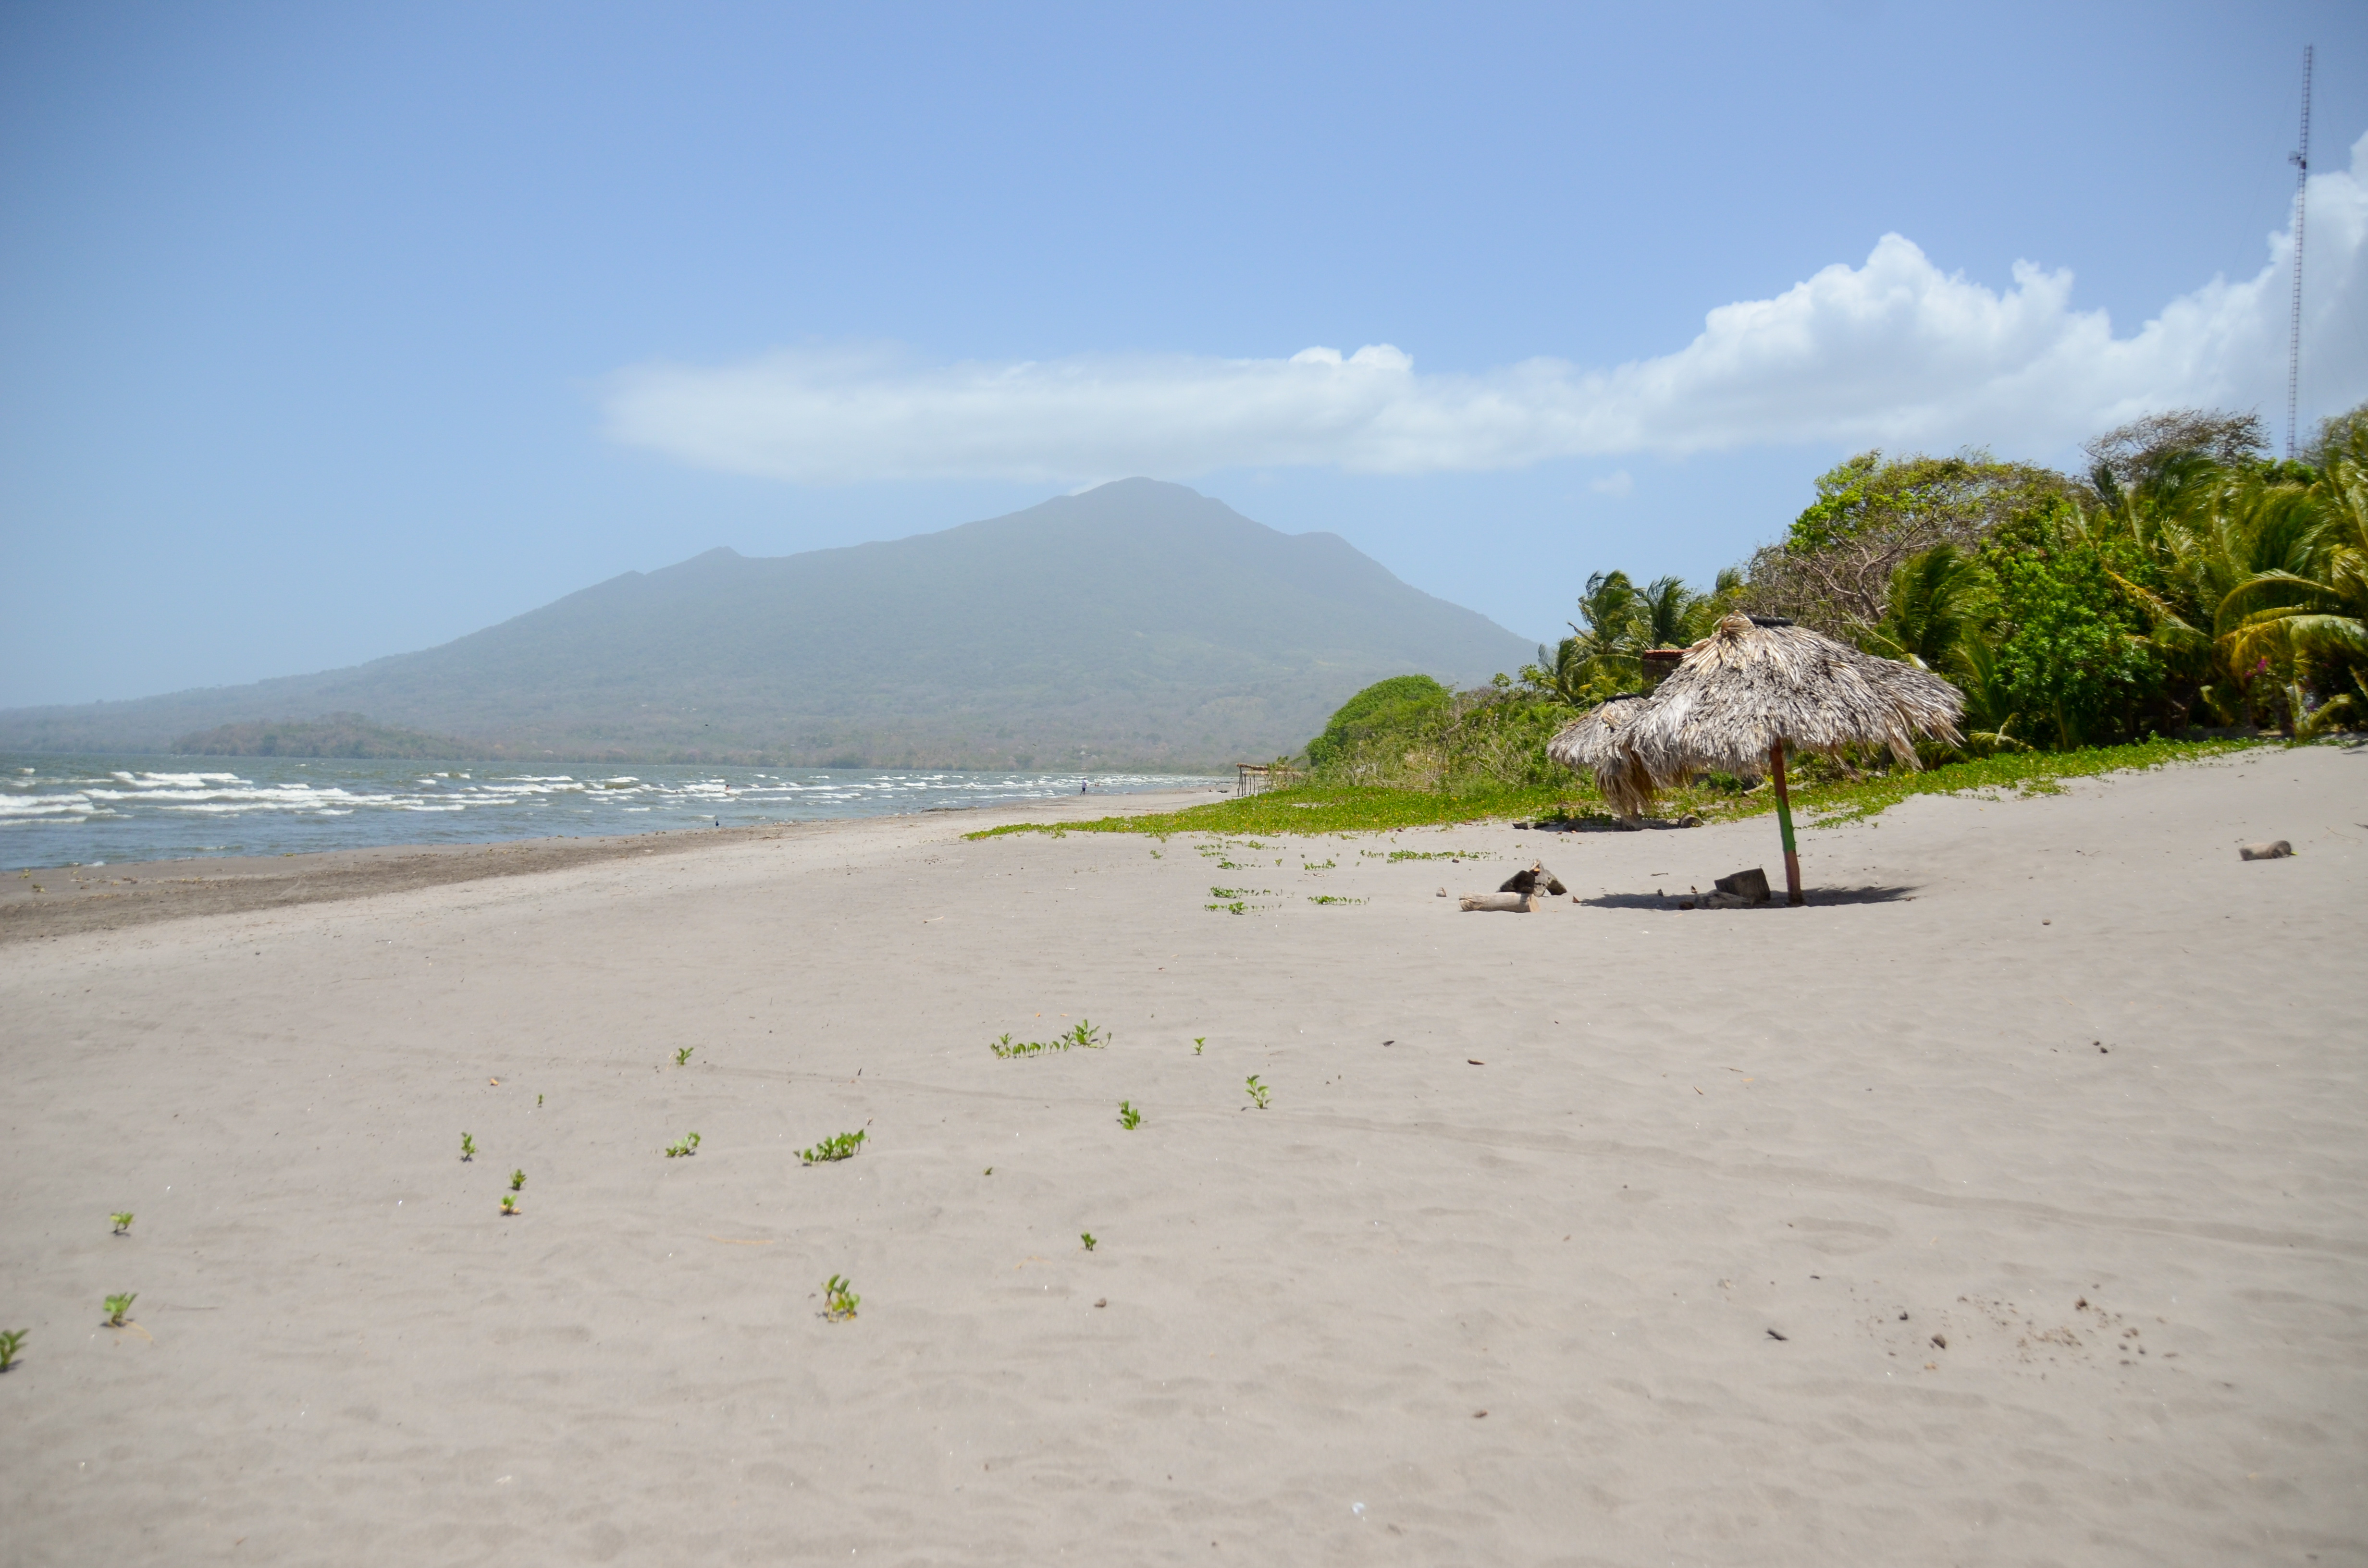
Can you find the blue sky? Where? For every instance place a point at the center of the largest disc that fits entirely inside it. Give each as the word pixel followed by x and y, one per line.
pixel 331 332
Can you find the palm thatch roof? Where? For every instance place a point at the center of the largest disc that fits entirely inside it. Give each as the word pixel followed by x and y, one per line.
pixel 1598 741
pixel 1747 686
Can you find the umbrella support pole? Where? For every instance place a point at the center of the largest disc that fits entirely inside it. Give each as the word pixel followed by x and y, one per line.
pixel 1784 825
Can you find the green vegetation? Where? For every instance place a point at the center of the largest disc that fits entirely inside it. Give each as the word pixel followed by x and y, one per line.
pixel 1386 708
pixel 1087 1237
pixel 335 735
pixel 842 1147
pixel 1328 898
pixel 1082 1036
pixel 517 1181
pixel 119 1305
pixel 1198 1041
pixel 1258 1091
pixel 688 1146
pixel 838 1298
pixel 510 1204
pixel 10 1340
pixel 1128 1117
pixel 682 1057
pixel 468 1147
pixel 122 1224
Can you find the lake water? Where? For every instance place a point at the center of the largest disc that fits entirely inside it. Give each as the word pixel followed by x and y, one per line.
pixel 59 810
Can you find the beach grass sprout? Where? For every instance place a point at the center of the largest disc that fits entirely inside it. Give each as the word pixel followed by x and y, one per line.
pixel 518 1180
pixel 122 1223
pixel 682 1057
pixel 839 1298
pixel 10 1339
pixel 1084 1036
pixel 119 1305
pixel 1128 1117
pixel 509 1205
pixel 690 1145
pixel 468 1147
pixel 842 1147
pixel 1198 1041
pixel 1087 1237
pixel 1258 1091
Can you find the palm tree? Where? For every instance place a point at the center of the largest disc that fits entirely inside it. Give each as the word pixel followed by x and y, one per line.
pixel 1600 653
pixel 2206 532
pixel 1670 615
pixel 1931 608
pixel 2313 618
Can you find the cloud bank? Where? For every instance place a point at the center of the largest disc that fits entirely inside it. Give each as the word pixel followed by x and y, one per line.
pixel 1894 353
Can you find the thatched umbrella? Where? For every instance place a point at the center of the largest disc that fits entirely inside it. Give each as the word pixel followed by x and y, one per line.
pixel 1597 743
pixel 1758 687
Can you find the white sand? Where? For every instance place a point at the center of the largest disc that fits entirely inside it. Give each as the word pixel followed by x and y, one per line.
pixel 1691 1129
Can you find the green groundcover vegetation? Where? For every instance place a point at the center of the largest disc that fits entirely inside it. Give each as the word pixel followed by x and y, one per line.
pixel 1821 796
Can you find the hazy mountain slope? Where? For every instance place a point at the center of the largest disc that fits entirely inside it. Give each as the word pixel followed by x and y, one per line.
pixel 1138 623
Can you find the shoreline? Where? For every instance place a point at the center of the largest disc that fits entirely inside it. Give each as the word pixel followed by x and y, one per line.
pixel 53 902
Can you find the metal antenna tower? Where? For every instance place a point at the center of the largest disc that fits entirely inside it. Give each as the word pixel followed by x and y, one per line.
pixel 2300 161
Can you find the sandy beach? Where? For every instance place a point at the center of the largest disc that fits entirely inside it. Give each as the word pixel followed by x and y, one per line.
pixel 2007 1205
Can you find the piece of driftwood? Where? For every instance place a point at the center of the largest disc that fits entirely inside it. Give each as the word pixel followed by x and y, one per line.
pixel 1530 880
pixel 2275 849
pixel 1507 903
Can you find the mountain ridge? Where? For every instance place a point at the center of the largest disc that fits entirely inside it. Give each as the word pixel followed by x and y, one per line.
pixel 1137 624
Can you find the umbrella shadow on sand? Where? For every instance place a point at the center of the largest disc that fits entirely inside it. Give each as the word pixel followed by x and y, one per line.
pixel 1667 903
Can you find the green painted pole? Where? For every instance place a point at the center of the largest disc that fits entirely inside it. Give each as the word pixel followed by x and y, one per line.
pixel 1784 825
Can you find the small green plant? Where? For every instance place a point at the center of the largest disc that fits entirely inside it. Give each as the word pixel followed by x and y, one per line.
pixel 1128 1117
pixel 1328 898
pixel 1258 1092
pixel 839 1298
pixel 537 1102
pixel 122 1224
pixel 690 1145
pixel 1087 1237
pixel 468 1147
pixel 119 1305
pixel 9 1340
pixel 1084 1036
pixel 1198 1041
pixel 682 1057
pixel 1327 866
pixel 1236 907
pixel 509 1205
pixel 518 1180
pixel 842 1147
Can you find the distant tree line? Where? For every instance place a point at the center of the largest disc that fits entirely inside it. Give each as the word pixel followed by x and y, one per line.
pixel 2186 580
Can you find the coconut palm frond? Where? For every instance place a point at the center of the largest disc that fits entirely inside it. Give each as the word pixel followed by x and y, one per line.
pixel 2169 628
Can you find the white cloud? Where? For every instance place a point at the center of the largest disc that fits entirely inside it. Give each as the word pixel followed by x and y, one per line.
pixel 1893 353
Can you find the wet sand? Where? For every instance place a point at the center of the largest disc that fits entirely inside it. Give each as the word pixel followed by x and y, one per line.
pixel 2007 1205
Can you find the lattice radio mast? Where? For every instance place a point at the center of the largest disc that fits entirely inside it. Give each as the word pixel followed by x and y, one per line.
pixel 2300 161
